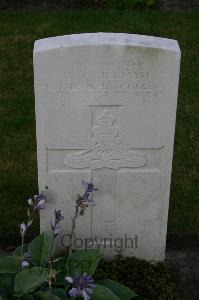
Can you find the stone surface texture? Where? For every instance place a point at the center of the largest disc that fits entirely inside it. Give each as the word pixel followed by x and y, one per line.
pixel 105 112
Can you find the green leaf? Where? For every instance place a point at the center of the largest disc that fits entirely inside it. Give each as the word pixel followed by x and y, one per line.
pixel 4 297
pixel 10 264
pixel 30 279
pixel 123 292
pixel 7 285
pixel 61 293
pixel 83 261
pixel 41 249
pixel 46 296
pixel 6 280
pixel 27 297
pixel 17 251
pixel 101 292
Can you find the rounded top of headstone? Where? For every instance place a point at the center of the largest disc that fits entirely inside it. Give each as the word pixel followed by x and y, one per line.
pixel 103 38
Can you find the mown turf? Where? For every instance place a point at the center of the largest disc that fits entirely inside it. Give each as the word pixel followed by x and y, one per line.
pixel 18 31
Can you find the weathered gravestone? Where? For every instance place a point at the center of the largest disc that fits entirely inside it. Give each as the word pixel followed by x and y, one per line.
pixel 105 112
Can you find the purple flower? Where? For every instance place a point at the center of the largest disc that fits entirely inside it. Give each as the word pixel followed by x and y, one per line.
pixel 73 292
pixel 25 262
pixel 23 228
pixel 58 216
pixel 90 201
pixel 38 202
pixel 88 186
pixel 83 201
pixel 56 227
pixel 82 285
pixel 86 199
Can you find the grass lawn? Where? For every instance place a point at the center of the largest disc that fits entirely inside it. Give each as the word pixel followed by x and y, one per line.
pixel 18 177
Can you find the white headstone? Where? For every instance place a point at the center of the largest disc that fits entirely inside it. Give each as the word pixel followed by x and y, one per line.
pixel 105 112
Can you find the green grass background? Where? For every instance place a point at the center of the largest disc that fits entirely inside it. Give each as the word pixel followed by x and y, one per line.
pixel 18 167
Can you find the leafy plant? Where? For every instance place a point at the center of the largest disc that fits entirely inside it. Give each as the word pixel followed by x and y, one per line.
pixel 34 272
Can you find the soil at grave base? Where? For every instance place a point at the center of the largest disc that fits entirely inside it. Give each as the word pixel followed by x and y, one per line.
pixel 148 280
pixel 71 4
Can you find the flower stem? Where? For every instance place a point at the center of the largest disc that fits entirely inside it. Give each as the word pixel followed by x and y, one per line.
pixel 31 217
pixel 50 278
pixel 52 247
pixel 22 245
pixel 72 233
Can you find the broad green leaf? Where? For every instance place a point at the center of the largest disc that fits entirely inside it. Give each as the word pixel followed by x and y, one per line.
pixel 103 293
pixel 6 280
pixel 7 285
pixel 41 249
pixel 4 297
pixel 83 261
pixel 61 293
pixel 17 251
pixel 27 297
pixel 30 279
pixel 10 264
pixel 46 296
pixel 123 292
